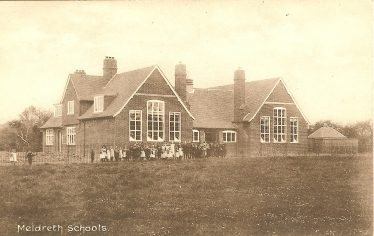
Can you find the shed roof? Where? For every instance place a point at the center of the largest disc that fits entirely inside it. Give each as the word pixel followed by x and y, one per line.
pixel 326 133
pixel 53 122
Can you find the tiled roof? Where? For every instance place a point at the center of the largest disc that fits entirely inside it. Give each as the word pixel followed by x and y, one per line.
pixel 122 86
pixel 87 86
pixel 53 122
pixel 214 107
pixel 326 133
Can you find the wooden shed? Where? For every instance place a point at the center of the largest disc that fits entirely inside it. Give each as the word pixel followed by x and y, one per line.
pixel 327 140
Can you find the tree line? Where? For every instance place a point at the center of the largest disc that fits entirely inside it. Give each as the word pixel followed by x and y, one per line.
pixel 23 133
pixel 361 130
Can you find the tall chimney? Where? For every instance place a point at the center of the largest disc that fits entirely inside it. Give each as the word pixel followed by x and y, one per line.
pixel 239 94
pixel 180 80
pixel 109 68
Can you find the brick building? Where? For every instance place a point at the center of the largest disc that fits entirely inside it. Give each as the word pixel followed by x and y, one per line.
pixel 252 118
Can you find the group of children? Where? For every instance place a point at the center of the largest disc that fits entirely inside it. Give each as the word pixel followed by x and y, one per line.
pixel 164 151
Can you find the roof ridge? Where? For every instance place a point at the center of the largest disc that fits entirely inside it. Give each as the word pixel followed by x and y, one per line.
pixel 142 68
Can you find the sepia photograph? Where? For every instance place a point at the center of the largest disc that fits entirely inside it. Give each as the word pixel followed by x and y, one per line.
pixel 186 117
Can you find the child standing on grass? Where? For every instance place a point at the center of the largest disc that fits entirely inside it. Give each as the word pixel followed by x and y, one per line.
pixel 13 157
pixel 92 155
pixel 29 156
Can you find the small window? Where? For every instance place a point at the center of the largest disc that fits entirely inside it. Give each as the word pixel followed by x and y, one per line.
pixel 58 110
pixel 175 126
pixel 70 135
pixel 279 124
pixel 195 136
pixel 294 125
pixel 98 104
pixel 70 107
pixel 265 129
pixel 135 125
pixel 229 136
pixel 49 137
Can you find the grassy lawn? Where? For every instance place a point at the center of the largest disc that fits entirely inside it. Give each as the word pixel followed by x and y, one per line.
pixel 260 196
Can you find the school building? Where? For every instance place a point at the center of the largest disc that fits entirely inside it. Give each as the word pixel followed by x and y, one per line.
pixel 253 118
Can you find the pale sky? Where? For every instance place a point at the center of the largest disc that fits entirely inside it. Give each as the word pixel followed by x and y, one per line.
pixel 322 49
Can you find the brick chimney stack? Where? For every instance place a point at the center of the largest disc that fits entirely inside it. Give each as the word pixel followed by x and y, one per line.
pixel 109 68
pixel 239 94
pixel 180 80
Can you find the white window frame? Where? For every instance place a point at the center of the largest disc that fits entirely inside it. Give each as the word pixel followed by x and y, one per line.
pixel 156 113
pixel 173 132
pixel 70 107
pixel 278 115
pixel 131 139
pixel 263 133
pixel 193 136
pixel 70 135
pixel 294 130
pixel 58 110
pixel 98 104
pixel 49 137
pixel 229 136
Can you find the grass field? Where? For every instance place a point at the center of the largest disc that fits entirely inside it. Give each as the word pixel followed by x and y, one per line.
pixel 260 196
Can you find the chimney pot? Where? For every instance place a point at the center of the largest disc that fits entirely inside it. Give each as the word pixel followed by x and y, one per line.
pixel 109 67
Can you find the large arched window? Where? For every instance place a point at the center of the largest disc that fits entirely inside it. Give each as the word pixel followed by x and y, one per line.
pixel 155 120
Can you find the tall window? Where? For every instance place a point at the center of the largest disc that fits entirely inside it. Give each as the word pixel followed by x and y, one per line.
pixel 155 120
pixel 70 107
pixel 229 136
pixel 49 137
pixel 279 124
pixel 58 110
pixel 135 123
pixel 265 129
pixel 98 104
pixel 175 126
pixel 70 135
pixel 195 136
pixel 294 125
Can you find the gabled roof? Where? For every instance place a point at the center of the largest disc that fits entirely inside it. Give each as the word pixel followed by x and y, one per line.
pixel 124 86
pixel 53 122
pixel 214 107
pixel 85 86
pixel 326 133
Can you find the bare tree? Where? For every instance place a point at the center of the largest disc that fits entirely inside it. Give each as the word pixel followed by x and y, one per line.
pixel 27 126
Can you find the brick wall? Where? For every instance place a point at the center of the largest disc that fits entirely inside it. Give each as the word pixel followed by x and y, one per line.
pixel 249 133
pixel 70 95
pixel 115 131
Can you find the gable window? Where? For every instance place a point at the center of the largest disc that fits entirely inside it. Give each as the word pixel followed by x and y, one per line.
pixel 58 110
pixel 175 126
pixel 155 120
pixel 294 125
pixel 195 136
pixel 49 136
pixel 70 107
pixel 265 129
pixel 279 124
pixel 229 136
pixel 70 135
pixel 98 104
pixel 135 123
